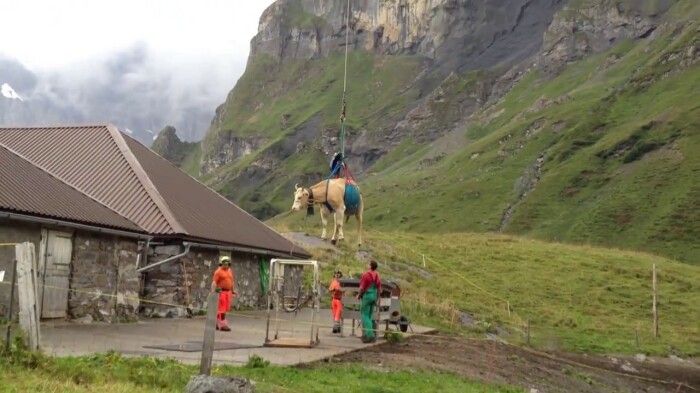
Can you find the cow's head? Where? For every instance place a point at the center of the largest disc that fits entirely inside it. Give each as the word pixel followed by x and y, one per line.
pixel 301 198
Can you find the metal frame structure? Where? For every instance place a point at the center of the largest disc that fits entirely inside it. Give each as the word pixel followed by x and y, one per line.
pixel 275 287
pixel 388 311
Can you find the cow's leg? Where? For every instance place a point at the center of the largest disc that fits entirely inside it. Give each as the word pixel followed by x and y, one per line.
pixel 324 222
pixel 340 216
pixel 335 227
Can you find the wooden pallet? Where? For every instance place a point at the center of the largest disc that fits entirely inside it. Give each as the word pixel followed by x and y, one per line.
pixel 291 343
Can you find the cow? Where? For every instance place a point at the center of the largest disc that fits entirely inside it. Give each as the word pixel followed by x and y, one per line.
pixel 335 197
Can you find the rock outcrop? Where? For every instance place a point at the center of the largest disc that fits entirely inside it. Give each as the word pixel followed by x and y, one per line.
pixel 207 384
pixel 169 146
pixel 471 33
pixel 594 26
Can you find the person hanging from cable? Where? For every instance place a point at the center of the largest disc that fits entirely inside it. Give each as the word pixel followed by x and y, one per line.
pixel 336 302
pixel 336 163
pixel 370 288
pixel 222 284
pixel 338 160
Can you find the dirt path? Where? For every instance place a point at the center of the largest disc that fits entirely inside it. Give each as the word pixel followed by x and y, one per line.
pixel 493 362
pixel 310 240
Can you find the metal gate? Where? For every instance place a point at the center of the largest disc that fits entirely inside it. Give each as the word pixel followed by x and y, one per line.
pixel 59 249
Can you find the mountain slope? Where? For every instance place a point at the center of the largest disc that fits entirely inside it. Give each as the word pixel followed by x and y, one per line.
pixel 587 138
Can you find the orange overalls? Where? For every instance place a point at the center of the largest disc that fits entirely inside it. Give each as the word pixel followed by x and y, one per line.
pixel 224 280
pixel 336 304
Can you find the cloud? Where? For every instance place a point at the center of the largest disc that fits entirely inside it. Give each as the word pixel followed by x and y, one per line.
pixel 141 88
pixel 141 64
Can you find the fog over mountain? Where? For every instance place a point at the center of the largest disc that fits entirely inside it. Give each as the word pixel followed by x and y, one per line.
pixel 137 88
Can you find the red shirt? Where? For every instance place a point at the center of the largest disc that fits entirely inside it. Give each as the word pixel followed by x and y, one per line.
pixel 368 278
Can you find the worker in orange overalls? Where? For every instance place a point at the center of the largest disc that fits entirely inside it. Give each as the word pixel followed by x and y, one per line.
pixel 223 285
pixel 336 302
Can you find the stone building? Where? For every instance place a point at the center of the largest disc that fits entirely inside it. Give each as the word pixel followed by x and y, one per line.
pixel 119 231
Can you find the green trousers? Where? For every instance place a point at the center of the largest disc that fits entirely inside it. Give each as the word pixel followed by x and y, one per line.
pixel 369 300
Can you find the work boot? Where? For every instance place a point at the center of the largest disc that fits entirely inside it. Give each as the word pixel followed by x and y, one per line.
pixel 224 326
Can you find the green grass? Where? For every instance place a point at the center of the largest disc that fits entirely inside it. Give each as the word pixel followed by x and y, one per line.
pixel 113 373
pixel 577 298
pixel 190 162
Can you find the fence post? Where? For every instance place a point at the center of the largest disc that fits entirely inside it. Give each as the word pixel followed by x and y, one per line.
pixel 209 334
pixel 528 333
pixel 27 291
pixel 13 282
pixel 654 307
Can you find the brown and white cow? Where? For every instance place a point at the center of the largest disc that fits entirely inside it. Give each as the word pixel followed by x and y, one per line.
pixel 329 194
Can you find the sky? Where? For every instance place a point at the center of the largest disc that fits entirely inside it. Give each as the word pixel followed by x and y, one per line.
pixel 49 34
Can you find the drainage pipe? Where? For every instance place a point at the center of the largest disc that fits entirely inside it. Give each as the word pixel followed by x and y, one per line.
pixel 240 249
pixel 167 260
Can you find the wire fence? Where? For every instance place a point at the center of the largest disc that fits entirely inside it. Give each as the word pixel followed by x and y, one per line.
pixel 181 338
pixel 63 337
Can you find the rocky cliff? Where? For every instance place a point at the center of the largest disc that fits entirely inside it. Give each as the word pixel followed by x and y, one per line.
pixel 170 147
pixel 437 37
pixel 499 97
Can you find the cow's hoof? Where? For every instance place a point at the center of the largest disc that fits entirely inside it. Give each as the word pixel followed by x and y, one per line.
pixel 333 241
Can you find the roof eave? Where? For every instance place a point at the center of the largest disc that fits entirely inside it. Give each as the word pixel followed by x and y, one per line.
pixel 295 251
pixel 42 219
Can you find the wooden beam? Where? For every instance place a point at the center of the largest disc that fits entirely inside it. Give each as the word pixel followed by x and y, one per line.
pixel 209 334
pixel 28 293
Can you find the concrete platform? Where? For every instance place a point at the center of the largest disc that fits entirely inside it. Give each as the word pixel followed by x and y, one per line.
pixel 181 338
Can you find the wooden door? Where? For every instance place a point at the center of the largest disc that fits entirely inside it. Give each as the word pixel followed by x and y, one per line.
pixel 59 250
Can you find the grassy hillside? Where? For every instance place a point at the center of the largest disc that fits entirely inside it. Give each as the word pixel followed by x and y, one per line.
pixel 273 102
pixel 601 153
pixel 577 298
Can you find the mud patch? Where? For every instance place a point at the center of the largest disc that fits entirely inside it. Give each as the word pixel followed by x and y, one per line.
pixel 495 362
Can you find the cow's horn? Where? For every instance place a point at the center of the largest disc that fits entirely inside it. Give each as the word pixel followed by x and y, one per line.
pixel 296 186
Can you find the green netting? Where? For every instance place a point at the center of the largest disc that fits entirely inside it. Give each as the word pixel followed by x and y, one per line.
pixel 264 276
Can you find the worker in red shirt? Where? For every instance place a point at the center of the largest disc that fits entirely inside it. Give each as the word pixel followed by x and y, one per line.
pixel 370 288
pixel 336 302
pixel 223 285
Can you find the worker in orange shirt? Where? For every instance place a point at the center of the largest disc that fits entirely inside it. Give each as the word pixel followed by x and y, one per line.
pixel 223 284
pixel 336 302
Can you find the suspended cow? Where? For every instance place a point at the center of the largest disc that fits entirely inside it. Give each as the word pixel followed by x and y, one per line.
pixel 335 197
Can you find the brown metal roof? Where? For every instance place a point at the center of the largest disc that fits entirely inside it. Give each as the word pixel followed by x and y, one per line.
pixel 203 212
pixel 25 188
pixel 89 159
pixel 127 177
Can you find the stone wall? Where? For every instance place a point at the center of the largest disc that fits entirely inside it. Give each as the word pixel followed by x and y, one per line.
pixel 104 281
pixel 168 292
pixel 13 232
